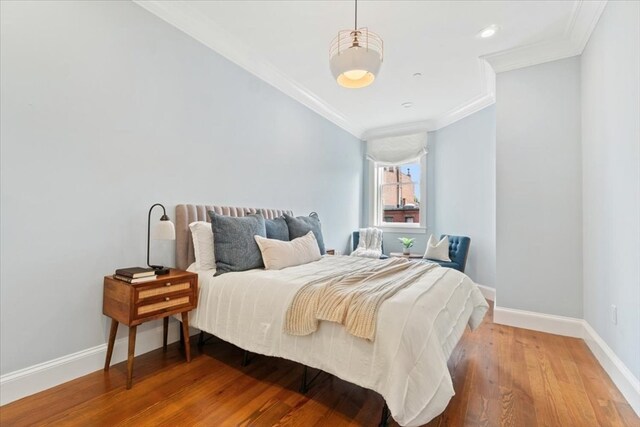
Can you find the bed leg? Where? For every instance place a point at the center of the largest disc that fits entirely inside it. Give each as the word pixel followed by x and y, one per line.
pixel 303 386
pixel 384 419
pixel 245 358
pixel 306 382
pixel 201 339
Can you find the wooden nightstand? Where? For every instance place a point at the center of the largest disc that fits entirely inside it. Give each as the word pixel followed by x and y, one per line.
pixel 133 304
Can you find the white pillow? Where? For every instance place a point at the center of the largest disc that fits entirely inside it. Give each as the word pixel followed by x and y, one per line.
pixel 277 254
pixel 202 236
pixel 438 251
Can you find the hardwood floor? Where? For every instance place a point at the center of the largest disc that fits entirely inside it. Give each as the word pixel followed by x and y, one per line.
pixel 502 376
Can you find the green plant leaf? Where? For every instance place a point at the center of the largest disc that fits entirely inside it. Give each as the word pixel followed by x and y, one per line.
pixel 406 241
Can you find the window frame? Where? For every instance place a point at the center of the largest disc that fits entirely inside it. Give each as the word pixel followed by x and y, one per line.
pixel 376 214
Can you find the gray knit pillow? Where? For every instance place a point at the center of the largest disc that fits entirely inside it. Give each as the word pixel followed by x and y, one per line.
pixel 234 245
pixel 301 225
pixel 277 228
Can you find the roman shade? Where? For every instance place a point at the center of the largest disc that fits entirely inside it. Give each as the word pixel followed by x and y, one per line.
pixel 396 150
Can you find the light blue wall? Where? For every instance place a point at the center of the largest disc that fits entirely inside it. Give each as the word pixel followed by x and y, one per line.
pixel 464 189
pixel 539 187
pixel 461 191
pixel 105 110
pixel 611 179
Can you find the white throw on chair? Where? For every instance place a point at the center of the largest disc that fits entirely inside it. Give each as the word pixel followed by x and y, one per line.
pixel 369 244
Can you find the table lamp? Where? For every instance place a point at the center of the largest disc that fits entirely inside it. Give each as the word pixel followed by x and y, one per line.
pixel 162 230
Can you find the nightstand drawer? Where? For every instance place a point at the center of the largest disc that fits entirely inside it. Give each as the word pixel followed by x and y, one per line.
pixel 161 289
pixel 166 304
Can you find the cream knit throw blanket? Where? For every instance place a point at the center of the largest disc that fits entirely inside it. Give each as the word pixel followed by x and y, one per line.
pixel 370 243
pixel 351 299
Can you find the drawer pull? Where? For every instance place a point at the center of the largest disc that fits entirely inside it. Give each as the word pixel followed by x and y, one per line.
pixel 168 284
pixel 167 299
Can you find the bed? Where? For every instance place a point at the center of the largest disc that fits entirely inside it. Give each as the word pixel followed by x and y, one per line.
pixel 416 329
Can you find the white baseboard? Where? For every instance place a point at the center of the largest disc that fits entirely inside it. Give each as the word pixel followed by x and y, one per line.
pixel 551 324
pixel 619 373
pixel 24 382
pixel 487 292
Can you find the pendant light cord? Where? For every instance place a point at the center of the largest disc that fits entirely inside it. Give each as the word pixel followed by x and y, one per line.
pixel 356 19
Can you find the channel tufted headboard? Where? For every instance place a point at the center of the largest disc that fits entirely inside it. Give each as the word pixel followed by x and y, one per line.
pixel 186 214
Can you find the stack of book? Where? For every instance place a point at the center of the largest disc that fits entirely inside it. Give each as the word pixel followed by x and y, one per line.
pixel 135 274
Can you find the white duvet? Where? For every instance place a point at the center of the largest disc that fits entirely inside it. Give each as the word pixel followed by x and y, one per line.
pixel 417 330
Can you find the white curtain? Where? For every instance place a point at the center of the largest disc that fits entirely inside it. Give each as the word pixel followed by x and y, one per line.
pixel 396 150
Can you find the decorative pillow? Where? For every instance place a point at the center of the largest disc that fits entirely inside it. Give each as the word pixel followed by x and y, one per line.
pixel 234 245
pixel 202 237
pixel 277 254
pixel 277 229
pixel 438 251
pixel 301 225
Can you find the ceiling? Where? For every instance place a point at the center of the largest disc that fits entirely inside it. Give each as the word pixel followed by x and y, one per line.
pixel 286 44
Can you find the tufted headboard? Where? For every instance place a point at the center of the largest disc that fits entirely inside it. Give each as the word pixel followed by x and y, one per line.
pixel 186 214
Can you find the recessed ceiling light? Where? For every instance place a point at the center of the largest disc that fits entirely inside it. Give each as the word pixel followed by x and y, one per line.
pixel 490 31
pixel 407 104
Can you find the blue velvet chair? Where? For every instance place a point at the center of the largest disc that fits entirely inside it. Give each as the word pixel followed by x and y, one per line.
pixel 458 251
pixel 356 239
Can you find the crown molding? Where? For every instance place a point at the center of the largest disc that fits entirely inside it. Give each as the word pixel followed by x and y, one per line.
pixel 583 20
pixel 486 98
pixel 452 116
pixel 183 17
pixel 584 17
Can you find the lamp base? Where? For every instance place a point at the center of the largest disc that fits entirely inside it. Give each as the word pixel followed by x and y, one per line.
pixel 160 270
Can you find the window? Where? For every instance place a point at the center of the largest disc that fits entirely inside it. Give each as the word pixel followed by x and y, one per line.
pixel 398 193
pixel 396 185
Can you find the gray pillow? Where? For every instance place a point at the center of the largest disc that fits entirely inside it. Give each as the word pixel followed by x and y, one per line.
pixel 234 245
pixel 277 229
pixel 301 225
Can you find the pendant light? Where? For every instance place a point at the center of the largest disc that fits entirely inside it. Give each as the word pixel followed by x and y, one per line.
pixel 355 56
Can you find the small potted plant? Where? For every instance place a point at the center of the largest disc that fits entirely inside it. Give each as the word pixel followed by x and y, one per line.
pixel 407 243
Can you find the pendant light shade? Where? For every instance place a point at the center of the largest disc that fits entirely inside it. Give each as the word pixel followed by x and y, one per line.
pixel 355 56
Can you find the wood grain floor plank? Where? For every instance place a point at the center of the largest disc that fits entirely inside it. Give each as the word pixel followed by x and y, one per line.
pixel 524 404
pixel 548 408
pixel 120 404
pixel 508 409
pixel 269 396
pixel 57 400
pixel 268 414
pixel 627 415
pixel 211 401
pixel 502 376
pixel 605 398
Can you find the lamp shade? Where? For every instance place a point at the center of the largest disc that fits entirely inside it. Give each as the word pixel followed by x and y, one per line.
pixel 163 230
